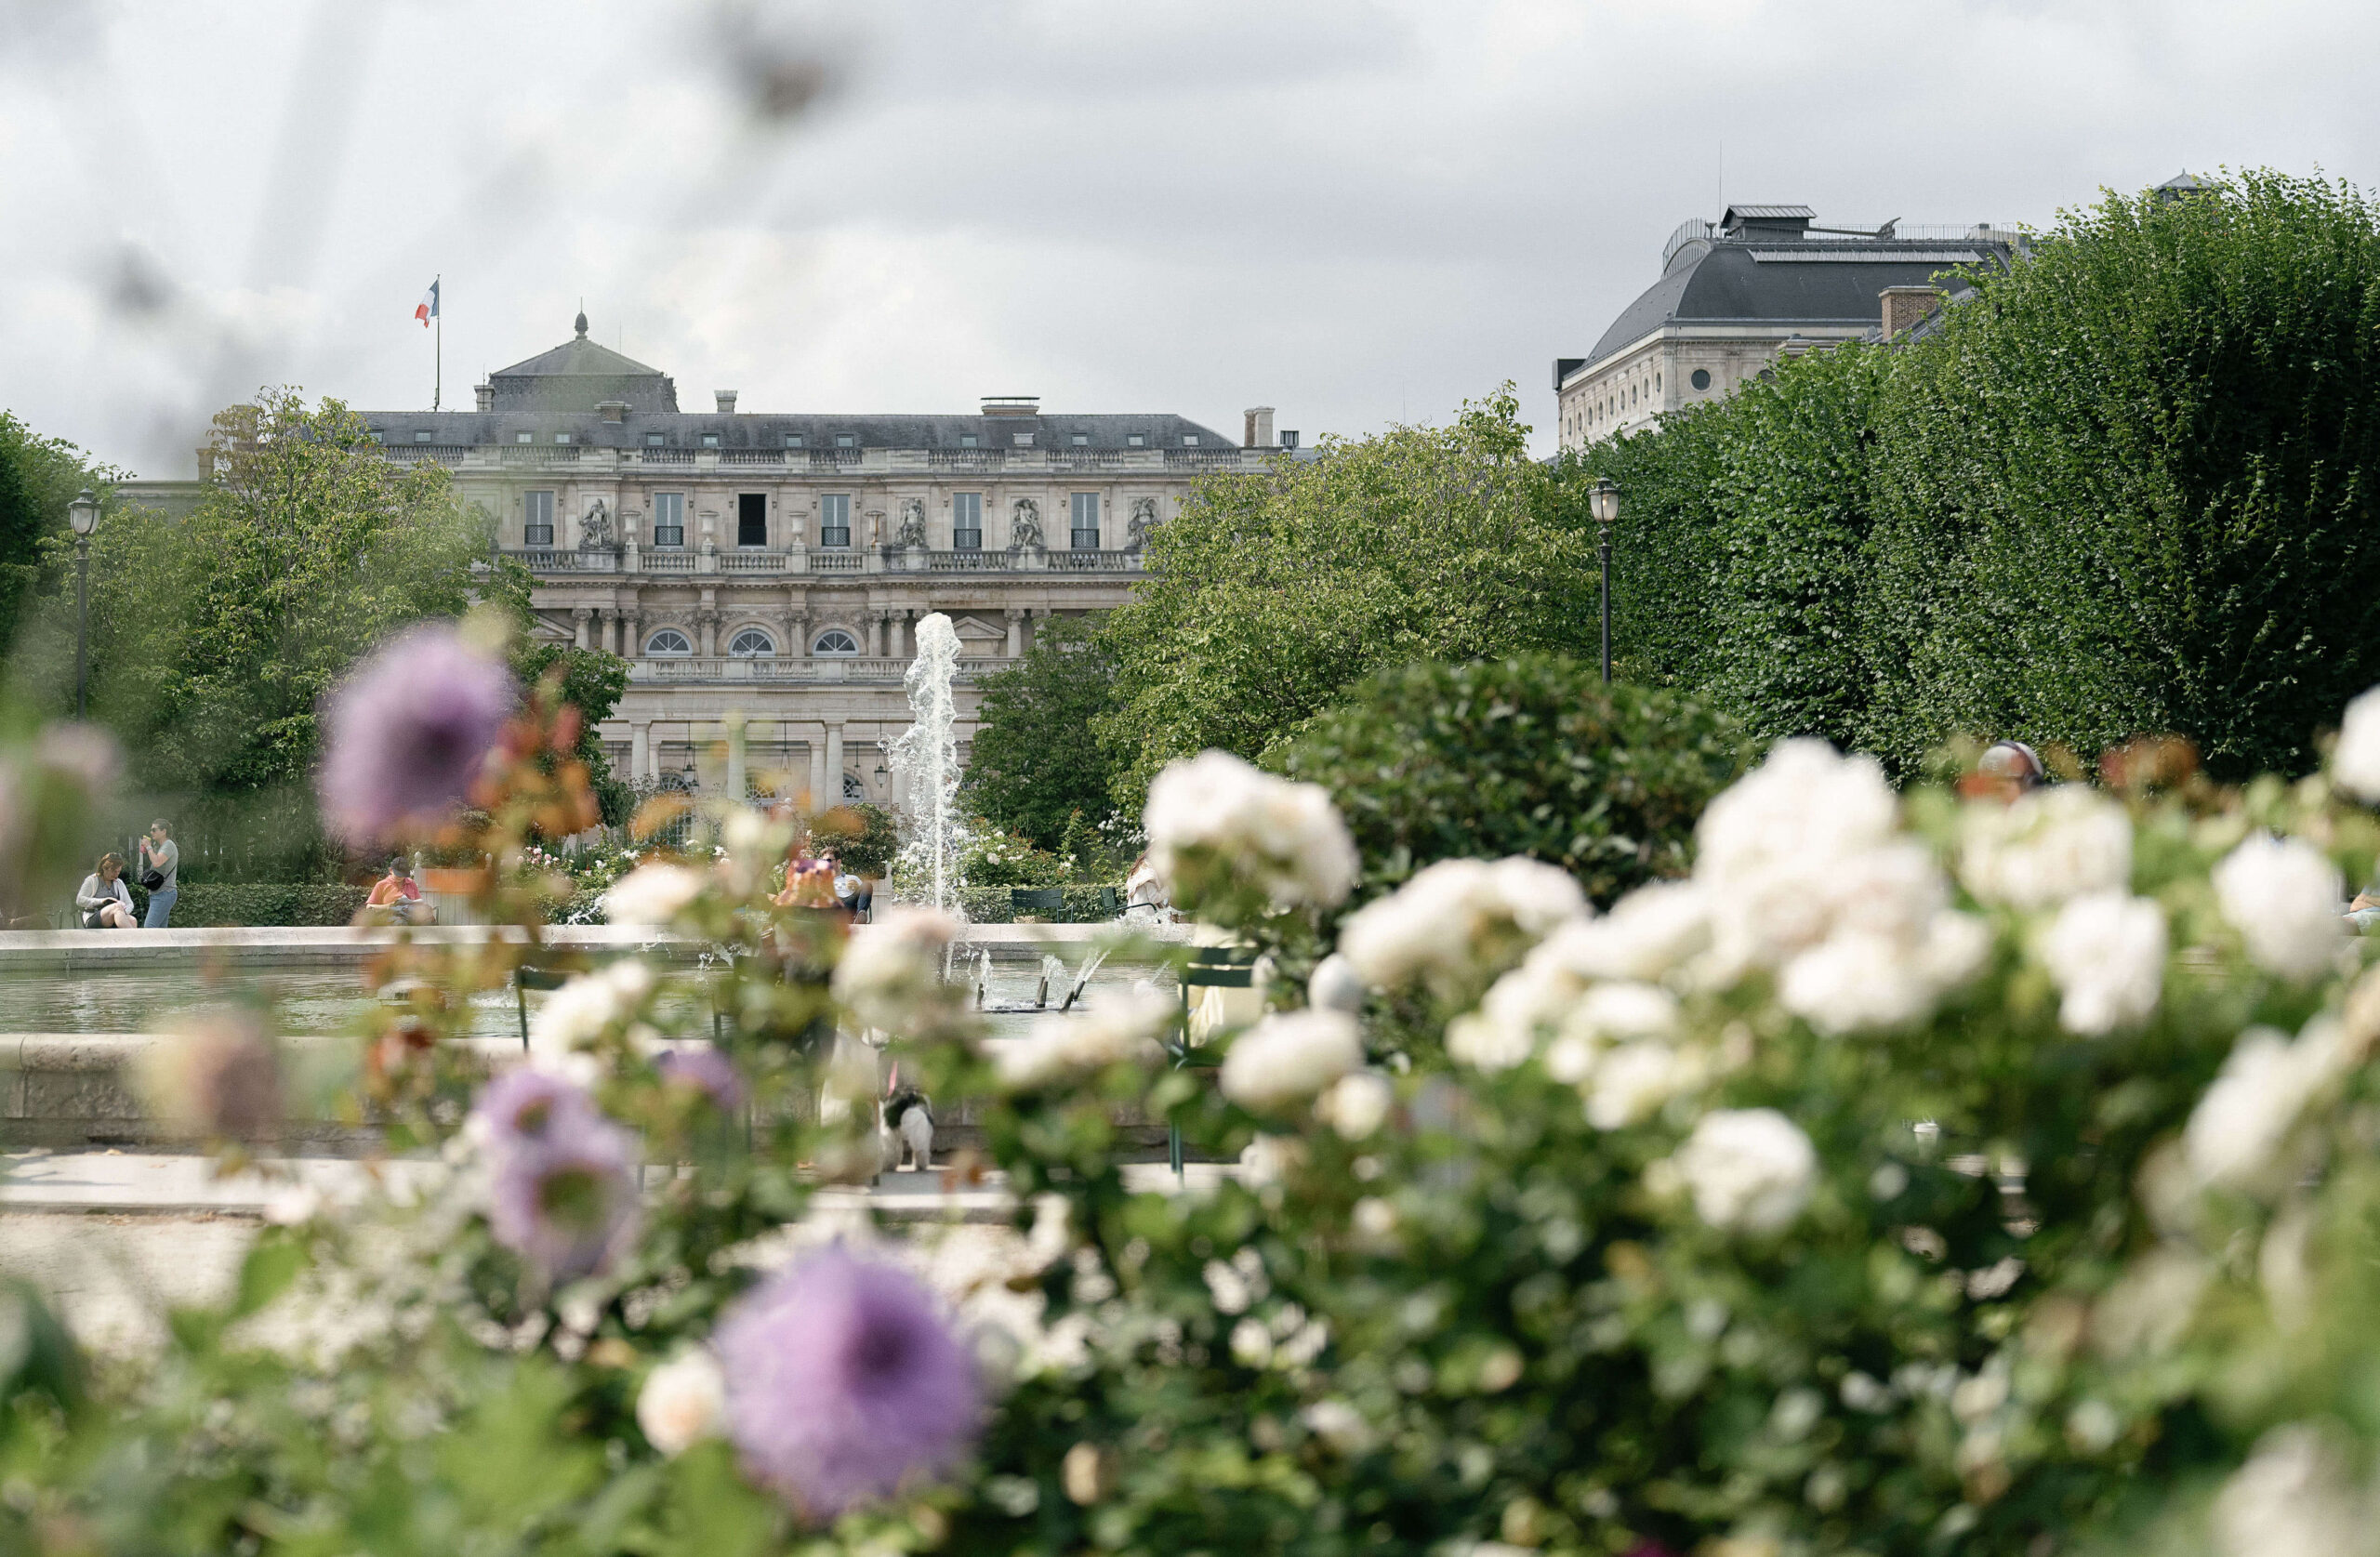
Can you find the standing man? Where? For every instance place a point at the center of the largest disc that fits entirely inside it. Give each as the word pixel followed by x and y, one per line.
pixel 161 857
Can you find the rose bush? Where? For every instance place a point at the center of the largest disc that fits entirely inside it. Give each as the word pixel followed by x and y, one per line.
pixel 1917 1176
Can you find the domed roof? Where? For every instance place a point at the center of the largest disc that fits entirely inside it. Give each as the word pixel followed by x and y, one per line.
pixel 578 375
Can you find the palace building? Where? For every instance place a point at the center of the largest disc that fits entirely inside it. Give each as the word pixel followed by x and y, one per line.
pixel 1762 282
pixel 762 573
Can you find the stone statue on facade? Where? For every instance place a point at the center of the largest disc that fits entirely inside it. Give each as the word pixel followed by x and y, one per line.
pixel 912 532
pixel 595 531
pixel 1144 520
pixel 1025 524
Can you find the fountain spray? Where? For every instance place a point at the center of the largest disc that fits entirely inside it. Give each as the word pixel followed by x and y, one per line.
pixel 926 756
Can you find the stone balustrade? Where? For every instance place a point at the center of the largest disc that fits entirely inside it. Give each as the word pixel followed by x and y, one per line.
pixel 745 560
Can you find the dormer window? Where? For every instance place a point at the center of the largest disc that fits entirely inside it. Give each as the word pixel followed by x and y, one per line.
pixel 793 440
pixel 655 440
pixel 967 440
pixel 1135 440
pixel 1023 440
pixel 524 438
pixel 847 441
pixel 1081 439
pixel 1189 440
pixel 710 440
pixel 422 435
pixel 562 437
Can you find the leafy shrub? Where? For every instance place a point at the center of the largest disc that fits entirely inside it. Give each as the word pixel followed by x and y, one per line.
pixel 1035 764
pixel 994 858
pixel 992 905
pixel 1526 756
pixel 863 837
pixel 208 903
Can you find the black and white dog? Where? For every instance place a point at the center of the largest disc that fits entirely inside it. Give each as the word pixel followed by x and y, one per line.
pixel 908 1116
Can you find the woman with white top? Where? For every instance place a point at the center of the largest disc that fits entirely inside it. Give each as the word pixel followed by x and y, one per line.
pixel 103 900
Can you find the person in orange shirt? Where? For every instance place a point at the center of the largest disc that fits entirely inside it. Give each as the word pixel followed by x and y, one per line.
pixel 396 898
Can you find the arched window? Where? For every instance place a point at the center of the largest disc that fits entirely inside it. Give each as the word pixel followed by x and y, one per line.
pixel 669 640
pixel 751 643
pixel 835 640
pixel 852 788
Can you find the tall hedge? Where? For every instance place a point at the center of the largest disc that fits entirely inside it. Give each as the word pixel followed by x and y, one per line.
pixel 1530 755
pixel 2128 487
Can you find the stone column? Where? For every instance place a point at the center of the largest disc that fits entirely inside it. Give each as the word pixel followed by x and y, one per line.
pixel 710 634
pixel 900 635
pixel 640 749
pixel 631 641
pixel 736 783
pixel 579 617
pixel 1015 632
pixel 818 771
pixel 834 796
pixel 876 637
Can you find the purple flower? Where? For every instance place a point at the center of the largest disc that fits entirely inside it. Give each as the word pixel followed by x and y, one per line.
pixel 563 1189
pixel 843 1379
pixel 707 1071
pixel 408 731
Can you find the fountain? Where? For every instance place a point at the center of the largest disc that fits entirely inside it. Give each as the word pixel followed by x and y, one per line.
pixel 925 760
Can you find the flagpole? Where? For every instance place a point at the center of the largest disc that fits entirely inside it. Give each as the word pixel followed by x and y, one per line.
pixel 438 359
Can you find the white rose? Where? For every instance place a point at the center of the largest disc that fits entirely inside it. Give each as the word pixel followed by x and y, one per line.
pixel 683 1402
pixel 2293 1499
pixel 890 971
pixel 2239 1126
pixel 1530 999
pixel 2355 761
pixel 575 1016
pixel 1634 1080
pixel 1615 1012
pixel 1649 932
pixel 651 894
pixel 1749 1170
pixel 2106 953
pixel 2284 897
pixel 2051 845
pixel 1457 919
pixel 1857 983
pixel 1804 802
pixel 1339 1426
pixel 1288 1057
pixel 1357 1104
pixel 1336 987
pixel 1285 838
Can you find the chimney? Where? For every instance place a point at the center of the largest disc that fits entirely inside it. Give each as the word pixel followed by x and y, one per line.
pixel 1011 405
pixel 1906 306
pixel 487 394
pixel 726 402
pixel 1289 438
pixel 1259 428
pixel 613 411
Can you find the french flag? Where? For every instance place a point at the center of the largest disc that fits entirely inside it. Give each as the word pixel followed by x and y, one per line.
pixel 427 309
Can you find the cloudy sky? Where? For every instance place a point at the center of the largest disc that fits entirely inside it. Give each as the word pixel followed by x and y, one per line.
pixel 1358 211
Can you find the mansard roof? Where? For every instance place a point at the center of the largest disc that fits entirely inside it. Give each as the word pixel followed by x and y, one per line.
pixel 1744 275
pixel 579 375
pixel 1050 429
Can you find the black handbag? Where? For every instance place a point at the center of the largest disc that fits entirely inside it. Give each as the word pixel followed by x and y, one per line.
pixel 151 882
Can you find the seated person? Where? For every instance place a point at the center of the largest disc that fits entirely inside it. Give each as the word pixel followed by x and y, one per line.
pixel 851 889
pixel 396 899
pixel 808 884
pixel 103 901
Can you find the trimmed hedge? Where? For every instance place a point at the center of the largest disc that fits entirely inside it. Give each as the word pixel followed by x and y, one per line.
pixel 205 904
pixel 991 905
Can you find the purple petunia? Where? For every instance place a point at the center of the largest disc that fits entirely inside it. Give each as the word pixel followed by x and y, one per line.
pixel 562 1187
pixel 405 735
pixel 704 1070
pixel 843 1379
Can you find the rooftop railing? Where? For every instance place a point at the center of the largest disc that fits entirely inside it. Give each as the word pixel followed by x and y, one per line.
pixel 744 561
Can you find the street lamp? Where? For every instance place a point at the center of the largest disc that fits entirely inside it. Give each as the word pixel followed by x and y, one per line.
pixel 83 514
pixel 1606 500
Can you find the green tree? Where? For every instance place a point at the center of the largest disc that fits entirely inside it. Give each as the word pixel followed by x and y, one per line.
pixel 215 637
pixel 1036 762
pixel 38 478
pixel 592 680
pixel 1271 594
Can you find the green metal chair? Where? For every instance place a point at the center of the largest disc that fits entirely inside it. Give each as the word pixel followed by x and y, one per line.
pixel 1211 967
pixel 526 978
pixel 1111 903
pixel 1036 900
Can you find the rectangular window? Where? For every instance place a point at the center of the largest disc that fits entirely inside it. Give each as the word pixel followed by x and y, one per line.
pixel 710 440
pixel 421 435
pixel 524 438
pixel 967 520
pixel 1023 440
pixel 668 519
pixel 537 518
pixel 1081 439
pixel 751 519
pixel 1189 440
pixel 965 440
pixel 1086 525
pixel 793 440
pixel 847 441
pixel 1135 440
pixel 835 520
pixel 562 437
pixel 655 440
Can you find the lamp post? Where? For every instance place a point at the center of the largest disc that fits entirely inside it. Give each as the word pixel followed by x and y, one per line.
pixel 83 514
pixel 1606 500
